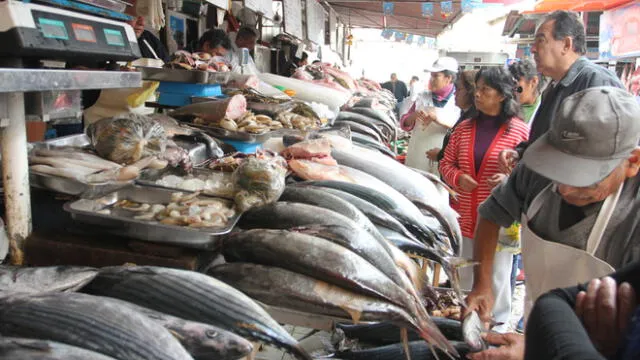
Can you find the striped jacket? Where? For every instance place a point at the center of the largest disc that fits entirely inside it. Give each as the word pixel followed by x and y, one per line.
pixel 458 159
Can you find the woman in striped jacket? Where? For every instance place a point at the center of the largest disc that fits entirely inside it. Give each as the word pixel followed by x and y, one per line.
pixel 470 166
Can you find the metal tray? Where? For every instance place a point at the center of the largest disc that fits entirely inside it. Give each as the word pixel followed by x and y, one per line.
pixel 70 186
pixel 84 210
pixel 149 177
pixel 184 76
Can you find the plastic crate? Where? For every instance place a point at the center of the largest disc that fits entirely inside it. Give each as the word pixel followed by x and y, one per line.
pixel 243 147
pixel 190 89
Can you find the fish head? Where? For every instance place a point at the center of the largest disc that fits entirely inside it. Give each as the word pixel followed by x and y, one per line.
pixel 472 329
pixel 205 341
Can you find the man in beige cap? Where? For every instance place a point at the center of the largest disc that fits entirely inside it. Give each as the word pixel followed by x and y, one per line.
pixel 576 195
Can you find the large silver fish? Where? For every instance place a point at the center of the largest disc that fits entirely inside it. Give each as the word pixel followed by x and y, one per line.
pixel 35 349
pixel 89 322
pixel 324 260
pixel 193 296
pixel 30 280
pixel 286 289
pixel 202 341
pixel 407 182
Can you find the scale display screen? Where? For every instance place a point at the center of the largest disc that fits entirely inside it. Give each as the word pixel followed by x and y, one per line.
pixel 53 29
pixel 84 33
pixel 114 37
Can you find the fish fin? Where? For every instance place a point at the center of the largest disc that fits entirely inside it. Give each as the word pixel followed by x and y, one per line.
pixel 404 336
pixel 433 351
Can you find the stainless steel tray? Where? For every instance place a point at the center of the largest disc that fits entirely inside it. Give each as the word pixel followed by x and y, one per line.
pixel 84 210
pixel 184 76
pixel 70 186
pixel 149 177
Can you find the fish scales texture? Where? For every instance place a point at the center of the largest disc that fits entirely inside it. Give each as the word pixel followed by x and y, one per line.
pixel 283 288
pixel 36 349
pixel 202 297
pixel 18 280
pixel 89 322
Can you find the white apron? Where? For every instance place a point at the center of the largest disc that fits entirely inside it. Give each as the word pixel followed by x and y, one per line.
pixel 425 138
pixel 549 265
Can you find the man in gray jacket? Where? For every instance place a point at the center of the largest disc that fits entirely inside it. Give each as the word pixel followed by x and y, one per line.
pixel 576 196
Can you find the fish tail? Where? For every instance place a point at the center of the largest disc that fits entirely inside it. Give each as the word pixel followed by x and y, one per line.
pixel 404 336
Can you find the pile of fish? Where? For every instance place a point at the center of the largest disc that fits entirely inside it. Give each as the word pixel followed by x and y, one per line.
pixel 129 313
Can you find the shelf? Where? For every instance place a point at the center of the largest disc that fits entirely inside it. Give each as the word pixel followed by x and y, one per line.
pixel 23 80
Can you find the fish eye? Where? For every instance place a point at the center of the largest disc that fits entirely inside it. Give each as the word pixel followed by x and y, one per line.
pixel 211 333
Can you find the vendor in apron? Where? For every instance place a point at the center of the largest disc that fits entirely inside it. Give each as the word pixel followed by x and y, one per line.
pixel 576 194
pixel 431 114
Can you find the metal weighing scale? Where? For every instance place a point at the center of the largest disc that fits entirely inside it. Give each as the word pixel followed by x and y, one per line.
pixel 29 30
pixel 59 30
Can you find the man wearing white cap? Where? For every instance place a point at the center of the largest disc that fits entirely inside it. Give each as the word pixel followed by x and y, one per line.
pixel 431 114
pixel 576 195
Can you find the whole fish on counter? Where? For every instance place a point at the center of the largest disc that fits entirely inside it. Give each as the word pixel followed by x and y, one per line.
pixel 327 261
pixel 407 182
pixel 30 280
pixel 193 296
pixel 286 289
pixel 12 348
pixel 89 322
pixel 284 215
pixel 202 341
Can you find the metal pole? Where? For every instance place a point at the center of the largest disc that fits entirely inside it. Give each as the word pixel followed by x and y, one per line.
pixel 15 176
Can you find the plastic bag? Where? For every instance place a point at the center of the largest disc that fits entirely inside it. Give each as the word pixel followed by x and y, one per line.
pixel 127 138
pixel 259 181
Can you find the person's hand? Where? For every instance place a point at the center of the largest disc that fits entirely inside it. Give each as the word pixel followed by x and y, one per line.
pixel 481 300
pixel 433 154
pixel 605 310
pixel 467 183
pixel 495 180
pixel 511 347
pixel 507 160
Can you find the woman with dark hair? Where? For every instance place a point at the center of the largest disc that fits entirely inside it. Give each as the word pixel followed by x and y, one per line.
pixel 470 166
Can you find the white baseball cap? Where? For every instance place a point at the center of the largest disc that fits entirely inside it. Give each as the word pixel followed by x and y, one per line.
pixel 442 64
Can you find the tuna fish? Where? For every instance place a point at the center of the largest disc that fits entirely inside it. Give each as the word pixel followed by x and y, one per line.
pixel 282 288
pixel 364 130
pixel 31 349
pixel 89 322
pixel 324 260
pixel 193 296
pixel 202 341
pixel 407 182
pixel 24 280
pixel 472 329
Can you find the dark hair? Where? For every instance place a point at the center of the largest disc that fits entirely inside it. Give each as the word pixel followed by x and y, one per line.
pixel 246 32
pixel 415 78
pixel 215 38
pixel 468 79
pixel 525 69
pixel 316 61
pixel 451 74
pixel 305 56
pixel 498 78
pixel 568 24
